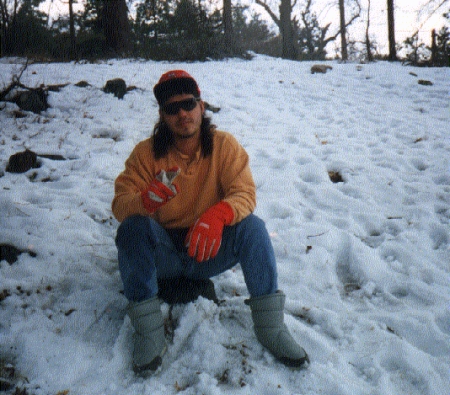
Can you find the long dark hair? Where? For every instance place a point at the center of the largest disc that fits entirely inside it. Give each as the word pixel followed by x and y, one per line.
pixel 163 138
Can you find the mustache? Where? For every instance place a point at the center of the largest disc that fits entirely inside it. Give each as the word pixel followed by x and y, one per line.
pixel 182 121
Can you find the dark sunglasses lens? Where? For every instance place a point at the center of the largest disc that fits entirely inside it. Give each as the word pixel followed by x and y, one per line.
pixel 186 105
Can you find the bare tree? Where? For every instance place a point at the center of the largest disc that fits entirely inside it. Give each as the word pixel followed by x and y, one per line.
pixel 286 25
pixel 313 37
pixel 289 27
pixel 344 24
pixel 391 30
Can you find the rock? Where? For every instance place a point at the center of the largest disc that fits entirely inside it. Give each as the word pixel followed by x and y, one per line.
pixel 211 108
pixel 22 162
pixel 10 254
pixel 335 176
pixel 117 86
pixel 82 84
pixel 320 68
pixel 32 100
pixel 56 87
pixel 425 82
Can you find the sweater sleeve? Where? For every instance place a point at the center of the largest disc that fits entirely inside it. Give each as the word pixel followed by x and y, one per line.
pixel 237 181
pixel 137 175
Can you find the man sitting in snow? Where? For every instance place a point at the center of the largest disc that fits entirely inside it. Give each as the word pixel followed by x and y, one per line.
pixel 185 202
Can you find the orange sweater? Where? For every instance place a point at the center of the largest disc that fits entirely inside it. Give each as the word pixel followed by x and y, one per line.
pixel 224 175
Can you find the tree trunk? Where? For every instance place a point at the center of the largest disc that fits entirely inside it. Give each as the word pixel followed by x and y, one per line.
pixel 368 48
pixel 433 48
pixel 116 26
pixel 73 46
pixel 4 24
pixel 288 50
pixel 156 27
pixel 228 26
pixel 343 31
pixel 285 24
pixel 391 31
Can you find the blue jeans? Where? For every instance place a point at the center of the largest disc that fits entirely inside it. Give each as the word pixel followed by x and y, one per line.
pixel 147 252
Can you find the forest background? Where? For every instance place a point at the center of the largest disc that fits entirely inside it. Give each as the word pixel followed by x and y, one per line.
pixel 191 30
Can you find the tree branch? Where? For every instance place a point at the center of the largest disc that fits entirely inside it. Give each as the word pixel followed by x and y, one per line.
pixel 15 83
pixel 356 16
pixel 269 11
pixel 353 18
pixel 430 15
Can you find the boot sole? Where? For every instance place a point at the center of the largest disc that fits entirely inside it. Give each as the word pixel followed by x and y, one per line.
pixel 296 364
pixel 151 367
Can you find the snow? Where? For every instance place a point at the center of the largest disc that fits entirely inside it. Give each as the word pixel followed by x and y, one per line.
pixel 365 263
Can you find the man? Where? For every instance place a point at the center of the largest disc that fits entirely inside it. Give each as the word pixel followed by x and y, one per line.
pixel 185 203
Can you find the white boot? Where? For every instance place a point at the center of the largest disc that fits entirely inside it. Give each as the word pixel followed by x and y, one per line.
pixel 149 340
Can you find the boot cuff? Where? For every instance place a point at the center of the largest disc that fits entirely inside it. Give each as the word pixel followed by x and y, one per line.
pixel 267 302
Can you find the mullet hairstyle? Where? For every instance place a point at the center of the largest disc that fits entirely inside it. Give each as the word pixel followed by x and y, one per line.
pixel 163 138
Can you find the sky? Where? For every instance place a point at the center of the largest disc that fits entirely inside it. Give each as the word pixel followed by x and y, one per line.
pixel 410 16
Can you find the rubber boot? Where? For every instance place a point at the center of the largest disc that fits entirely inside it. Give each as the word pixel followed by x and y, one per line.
pixel 272 333
pixel 149 340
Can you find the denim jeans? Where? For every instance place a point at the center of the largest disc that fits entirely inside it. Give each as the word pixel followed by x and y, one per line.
pixel 147 252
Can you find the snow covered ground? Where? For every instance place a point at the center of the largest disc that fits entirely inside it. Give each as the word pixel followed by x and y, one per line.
pixel 365 263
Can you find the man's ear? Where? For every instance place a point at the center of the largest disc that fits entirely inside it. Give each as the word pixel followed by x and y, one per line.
pixel 202 106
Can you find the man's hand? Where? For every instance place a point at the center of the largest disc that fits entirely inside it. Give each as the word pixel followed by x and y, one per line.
pixel 160 190
pixel 205 236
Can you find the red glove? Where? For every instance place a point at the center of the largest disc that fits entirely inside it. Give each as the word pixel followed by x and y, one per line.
pixel 160 190
pixel 205 236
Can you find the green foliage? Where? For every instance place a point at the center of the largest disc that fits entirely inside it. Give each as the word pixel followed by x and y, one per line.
pixel 179 30
pixel 416 53
pixel 189 21
pixel 25 33
pixel 161 29
pixel 252 33
pixel 442 56
pixel 419 54
pixel 90 19
pixel 152 18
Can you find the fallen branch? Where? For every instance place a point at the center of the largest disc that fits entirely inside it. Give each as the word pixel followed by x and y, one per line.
pixel 320 234
pixel 28 99
pixel 14 84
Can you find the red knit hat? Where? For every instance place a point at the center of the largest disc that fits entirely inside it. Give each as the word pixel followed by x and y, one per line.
pixel 175 82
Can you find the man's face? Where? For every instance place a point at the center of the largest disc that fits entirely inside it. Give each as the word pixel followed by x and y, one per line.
pixel 185 122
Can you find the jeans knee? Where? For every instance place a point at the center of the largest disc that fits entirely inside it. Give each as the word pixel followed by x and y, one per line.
pixel 131 228
pixel 253 225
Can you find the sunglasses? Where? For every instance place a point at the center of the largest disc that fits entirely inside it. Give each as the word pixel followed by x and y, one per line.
pixel 174 107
